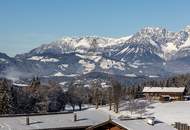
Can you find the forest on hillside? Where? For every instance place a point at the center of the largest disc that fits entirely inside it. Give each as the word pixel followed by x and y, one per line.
pixel 51 97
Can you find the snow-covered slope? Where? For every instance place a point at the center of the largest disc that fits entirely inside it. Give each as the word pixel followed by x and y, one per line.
pixel 81 45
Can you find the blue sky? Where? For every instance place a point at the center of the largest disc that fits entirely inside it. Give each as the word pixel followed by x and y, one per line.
pixel 26 24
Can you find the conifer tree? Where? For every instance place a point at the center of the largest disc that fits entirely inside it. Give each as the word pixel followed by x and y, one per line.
pixel 6 98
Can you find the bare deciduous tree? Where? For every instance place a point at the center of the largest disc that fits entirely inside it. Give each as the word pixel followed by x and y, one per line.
pixel 142 107
pixel 132 104
pixel 116 87
pixel 96 87
pixel 110 97
pixel 71 95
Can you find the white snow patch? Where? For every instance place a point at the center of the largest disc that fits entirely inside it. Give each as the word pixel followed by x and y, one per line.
pixel 81 56
pixel 63 83
pixel 49 60
pixel 107 64
pixel 43 59
pixel 169 49
pixel 139 63
pixel 131 75
pixel 123 51
pixel 58 74
pixel 171 112
pixel 115 41
pixel 122 59
pixel 83 43
pixel 105 85
pixel 20 85
pixel 88 67
pixel 153 76
pixel 71 75
pixel 65 89
pixel 124 109
pixel 124 38
pixel 94 57
pixel 63 66
pixel 36 58
pixel 186 44
pixel 133 66
pixel 153 43
pixel 3 60
pixel 87 86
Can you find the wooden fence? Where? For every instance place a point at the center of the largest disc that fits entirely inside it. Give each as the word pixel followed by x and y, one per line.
pixel 181 126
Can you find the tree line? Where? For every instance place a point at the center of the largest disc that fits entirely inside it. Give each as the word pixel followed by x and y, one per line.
pixel 51 97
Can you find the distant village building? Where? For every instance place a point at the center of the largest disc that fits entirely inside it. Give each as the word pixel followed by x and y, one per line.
pixel 164 93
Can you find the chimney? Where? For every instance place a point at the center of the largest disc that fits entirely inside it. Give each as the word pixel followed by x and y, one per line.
pixel 75 117
pixel 27 120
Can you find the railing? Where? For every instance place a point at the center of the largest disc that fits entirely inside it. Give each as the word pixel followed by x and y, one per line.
pixel 181 126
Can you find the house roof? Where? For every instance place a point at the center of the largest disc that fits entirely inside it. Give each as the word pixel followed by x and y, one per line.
pixel 86 119
pixel 138 124
pixel 164 89
pixel 141 124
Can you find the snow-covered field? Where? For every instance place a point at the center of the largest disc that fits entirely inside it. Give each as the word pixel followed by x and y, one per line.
pixel 171 112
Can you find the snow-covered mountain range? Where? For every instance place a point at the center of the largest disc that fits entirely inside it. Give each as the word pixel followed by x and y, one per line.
pixel 151 52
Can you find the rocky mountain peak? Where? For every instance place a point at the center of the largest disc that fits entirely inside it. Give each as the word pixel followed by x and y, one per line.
pixel 187 29
pixel 151 51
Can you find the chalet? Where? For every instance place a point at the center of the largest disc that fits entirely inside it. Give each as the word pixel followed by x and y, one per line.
pixel 164 93
pixel 82 120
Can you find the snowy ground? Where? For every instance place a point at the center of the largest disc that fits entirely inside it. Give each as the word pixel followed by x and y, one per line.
pixel 178 111
pixel 171 112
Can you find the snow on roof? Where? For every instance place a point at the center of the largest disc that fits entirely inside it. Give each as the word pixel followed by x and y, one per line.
pixel 164 89
pixel 86 118
pixel 142 124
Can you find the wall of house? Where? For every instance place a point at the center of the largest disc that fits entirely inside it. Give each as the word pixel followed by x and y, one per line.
pixel 157 96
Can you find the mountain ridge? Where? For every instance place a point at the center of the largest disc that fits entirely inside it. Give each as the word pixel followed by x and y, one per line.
pixel 171 42
pixel 151 52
